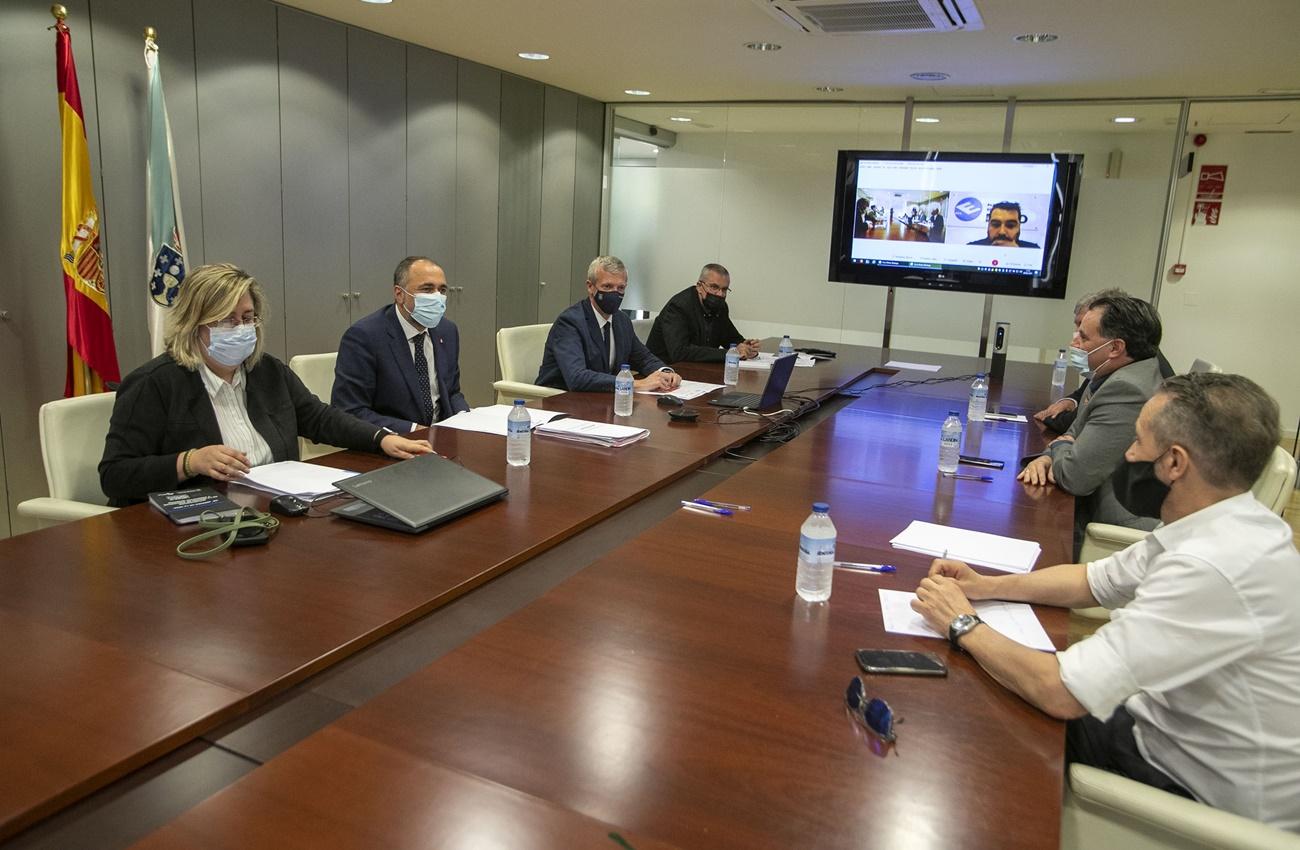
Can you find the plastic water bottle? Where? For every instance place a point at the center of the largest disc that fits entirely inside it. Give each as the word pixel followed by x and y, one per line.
pixel 1058 369
pixel 816 555
pixel 979 399
pixel 950 443
pixel 519 435
pixel 623 392
pixel 731 372
pixel 786 346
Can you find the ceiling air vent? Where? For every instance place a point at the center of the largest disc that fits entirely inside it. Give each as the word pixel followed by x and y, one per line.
pixel 838 17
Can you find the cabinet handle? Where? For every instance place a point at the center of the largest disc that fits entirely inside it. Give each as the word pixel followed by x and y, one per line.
pixel 4 315
pixel 343 295
pixel 543 283
pixel 356 295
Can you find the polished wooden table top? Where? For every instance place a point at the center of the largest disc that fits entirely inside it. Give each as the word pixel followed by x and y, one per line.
pixel 679 690
pixel 212 639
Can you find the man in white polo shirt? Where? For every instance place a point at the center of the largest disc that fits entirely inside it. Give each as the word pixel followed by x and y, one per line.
pixel 1194 684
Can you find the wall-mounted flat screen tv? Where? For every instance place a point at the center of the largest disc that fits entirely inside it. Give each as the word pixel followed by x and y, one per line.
pixel 969 222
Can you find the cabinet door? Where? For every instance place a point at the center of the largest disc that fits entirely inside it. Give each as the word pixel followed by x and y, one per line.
pixel 318 302
pixel 520 201
pixel 559 162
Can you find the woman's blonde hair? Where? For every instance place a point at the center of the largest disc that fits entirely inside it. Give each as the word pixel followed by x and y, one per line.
pixel 210 294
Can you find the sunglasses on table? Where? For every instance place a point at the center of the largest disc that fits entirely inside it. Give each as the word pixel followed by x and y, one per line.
pixel 874 713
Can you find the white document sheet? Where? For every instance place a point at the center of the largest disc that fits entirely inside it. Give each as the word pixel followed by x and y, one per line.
pixel 1015 620
pixel 687 391
pixel 919 367
pixel 1006 417
pixel 763 361
pixel 308 480
pixel 974 547
pixel 596 433
pixel 492 419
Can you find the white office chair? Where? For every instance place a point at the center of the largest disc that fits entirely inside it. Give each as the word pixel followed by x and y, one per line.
pixel 519 353
pixel 1104 811
pixel 316 371
pixel 642 328
pixel 72 444
pixel 1199 365
pixel 1272 489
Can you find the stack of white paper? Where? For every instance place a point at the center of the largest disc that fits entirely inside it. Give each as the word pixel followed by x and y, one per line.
pixel 595 433
pixel 492 419
pixel 974 547
pixel 1015 620
pixel 688 390
pixel 764 361
pixel 306 480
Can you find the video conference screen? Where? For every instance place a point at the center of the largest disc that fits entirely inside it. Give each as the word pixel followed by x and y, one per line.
pixel 974 222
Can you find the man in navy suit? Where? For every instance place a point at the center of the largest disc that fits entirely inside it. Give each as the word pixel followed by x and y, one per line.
pixel 593 338
pixel 399 367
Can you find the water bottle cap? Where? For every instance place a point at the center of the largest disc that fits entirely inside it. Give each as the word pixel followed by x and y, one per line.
pixel 1060 350
pixel 519 402
pixel 954 413
pixel 624 368
pixel 821 508
pixel 979 374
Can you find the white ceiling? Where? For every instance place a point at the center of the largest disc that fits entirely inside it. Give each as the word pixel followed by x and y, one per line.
pixel 693 50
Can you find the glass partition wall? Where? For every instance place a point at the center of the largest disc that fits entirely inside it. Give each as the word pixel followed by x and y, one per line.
pixel 752 187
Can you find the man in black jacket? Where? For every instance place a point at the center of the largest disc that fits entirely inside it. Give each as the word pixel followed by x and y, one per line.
pixel 694 324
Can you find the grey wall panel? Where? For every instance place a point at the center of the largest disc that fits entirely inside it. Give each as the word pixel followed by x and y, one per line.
pixel 478 133
pixel 314 160
pixel 559 163
pixel 33 337
pixel 586 191
pixel 376 165
pixel 239 123
pixel 431 156
pixel 121 95
pixel 519 201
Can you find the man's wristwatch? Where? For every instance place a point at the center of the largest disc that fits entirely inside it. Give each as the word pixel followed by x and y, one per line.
pixel 960 625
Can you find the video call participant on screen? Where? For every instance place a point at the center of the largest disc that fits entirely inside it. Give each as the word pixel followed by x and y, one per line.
pixel 214 404
pixel 592 339
pixel 399 367
pixel 695 324
pixel 1119 335
pixel 1059 415
pixel 1004 227
pixel 1195 686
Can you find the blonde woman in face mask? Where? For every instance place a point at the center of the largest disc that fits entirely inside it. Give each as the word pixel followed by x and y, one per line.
pixel 214 404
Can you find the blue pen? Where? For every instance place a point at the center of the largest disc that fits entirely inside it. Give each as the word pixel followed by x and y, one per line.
pixel 987 479
pixel 728 505
pixel 867 568
pixel 705 509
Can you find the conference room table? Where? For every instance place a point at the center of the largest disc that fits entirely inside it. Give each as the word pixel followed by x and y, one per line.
pixel 117 652
pixel 678 693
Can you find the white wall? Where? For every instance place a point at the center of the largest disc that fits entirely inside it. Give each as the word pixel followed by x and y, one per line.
pixel 1239 303
pixel 760 202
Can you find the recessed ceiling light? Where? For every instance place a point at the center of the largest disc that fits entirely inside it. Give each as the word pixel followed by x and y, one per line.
pixel 1124 119
pixel 829 89
pixel 1279 91
pixel 681 119
pixel 764 46
pixel 535 57
pixel 377 2
pixel 637 92
pixel 930 76
pixel 927 120
pixel 1037 37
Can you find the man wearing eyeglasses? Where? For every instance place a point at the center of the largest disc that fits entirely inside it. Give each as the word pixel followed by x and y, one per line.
pixel 590 340
pixel 695 325
pixel 1193 686
pixel 399 367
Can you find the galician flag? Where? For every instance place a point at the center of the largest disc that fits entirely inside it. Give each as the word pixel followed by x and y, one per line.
pixel 164 226
pixel 92 357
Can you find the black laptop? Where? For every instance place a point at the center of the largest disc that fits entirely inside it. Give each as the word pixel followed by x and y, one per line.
pixel 416 494
pixel 777 380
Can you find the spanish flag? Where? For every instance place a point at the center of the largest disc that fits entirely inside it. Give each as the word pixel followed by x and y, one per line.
pixel 92 358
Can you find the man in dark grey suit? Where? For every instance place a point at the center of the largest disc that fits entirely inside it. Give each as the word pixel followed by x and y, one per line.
pixel 1120 334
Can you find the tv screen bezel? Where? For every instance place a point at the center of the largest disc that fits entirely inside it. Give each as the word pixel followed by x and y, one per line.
pixel 1052 278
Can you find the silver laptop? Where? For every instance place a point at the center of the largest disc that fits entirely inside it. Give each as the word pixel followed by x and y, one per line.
pixel 416 494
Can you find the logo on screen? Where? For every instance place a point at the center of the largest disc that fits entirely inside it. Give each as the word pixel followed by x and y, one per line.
pixel 969 209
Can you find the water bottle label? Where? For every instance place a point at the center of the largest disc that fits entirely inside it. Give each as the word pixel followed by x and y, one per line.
pixel 515 428
pixel 816 548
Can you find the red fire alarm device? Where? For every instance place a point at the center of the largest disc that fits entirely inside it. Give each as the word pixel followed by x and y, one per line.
pixel 1179 268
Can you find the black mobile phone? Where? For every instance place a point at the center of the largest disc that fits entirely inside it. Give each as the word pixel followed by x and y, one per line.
pixel 902 662
pixel 985 462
